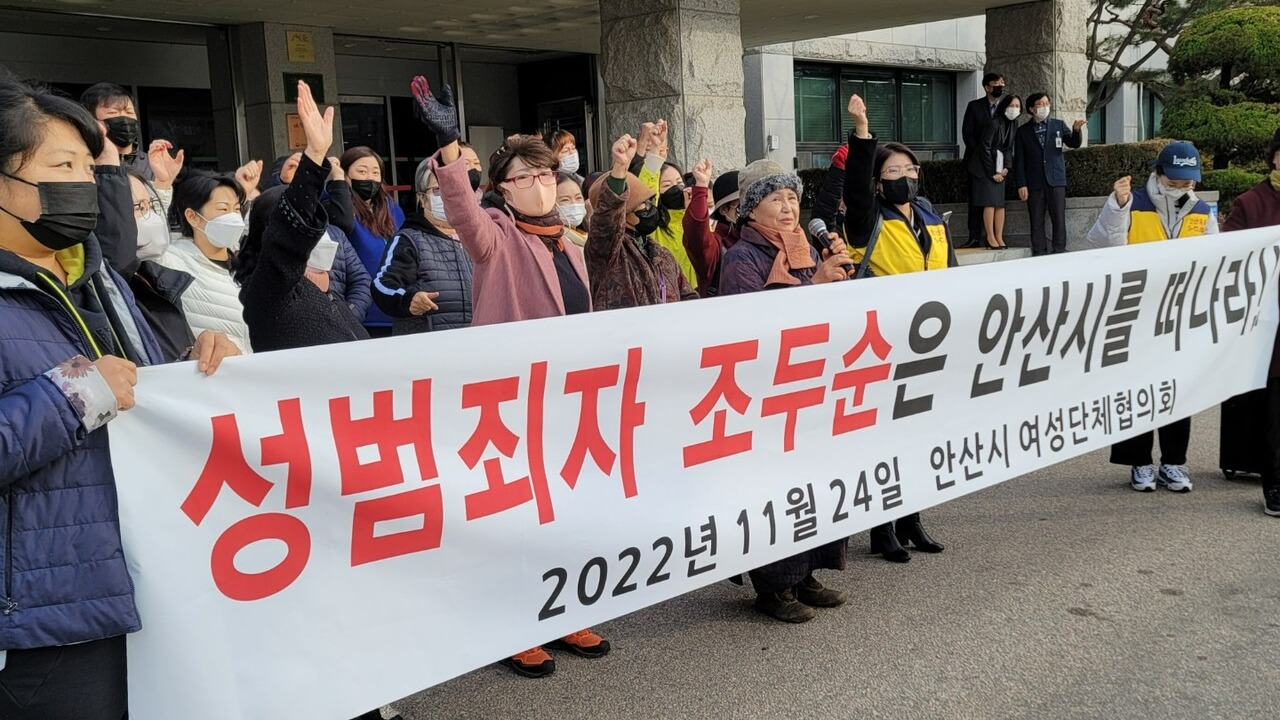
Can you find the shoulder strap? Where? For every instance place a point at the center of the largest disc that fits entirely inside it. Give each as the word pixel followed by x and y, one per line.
pixel 871 246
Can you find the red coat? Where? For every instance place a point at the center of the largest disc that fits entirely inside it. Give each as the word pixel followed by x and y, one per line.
pixel 1259 207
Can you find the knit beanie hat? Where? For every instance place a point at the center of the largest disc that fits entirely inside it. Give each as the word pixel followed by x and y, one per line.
pixel 637 192
pixel 761 179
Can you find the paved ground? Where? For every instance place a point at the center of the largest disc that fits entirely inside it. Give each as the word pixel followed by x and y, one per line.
pixel 1062 594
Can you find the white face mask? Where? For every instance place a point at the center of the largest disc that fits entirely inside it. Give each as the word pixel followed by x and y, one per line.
pixel 153 236
pixel 436 203
pixel 1012 113
pixel 573 213
pixel 1043 112
pixel 323 254
pixel 224 231
pixel 569 163
pixel 1174 193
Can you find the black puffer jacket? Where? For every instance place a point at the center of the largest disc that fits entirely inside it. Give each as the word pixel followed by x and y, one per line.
pixel 421 258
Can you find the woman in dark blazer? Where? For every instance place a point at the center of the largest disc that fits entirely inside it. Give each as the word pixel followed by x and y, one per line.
pixel 991 165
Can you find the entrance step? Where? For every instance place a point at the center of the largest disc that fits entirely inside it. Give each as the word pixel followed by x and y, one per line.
pixel 979 256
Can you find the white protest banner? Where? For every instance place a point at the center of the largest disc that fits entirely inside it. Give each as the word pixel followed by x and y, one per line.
pixel 315 533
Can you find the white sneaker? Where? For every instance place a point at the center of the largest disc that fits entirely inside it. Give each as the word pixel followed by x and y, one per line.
pixel 1143 478
pixel 1175 478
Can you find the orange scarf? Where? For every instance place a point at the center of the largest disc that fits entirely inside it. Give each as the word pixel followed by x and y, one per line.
pixel 793 254
pixel 552 235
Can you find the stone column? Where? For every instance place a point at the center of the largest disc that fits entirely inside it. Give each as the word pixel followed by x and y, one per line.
pixel 680 60
pixel 1040 47
pixel 260 58
pixel 771 104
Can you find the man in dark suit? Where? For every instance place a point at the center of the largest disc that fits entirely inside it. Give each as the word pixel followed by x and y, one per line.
pixel 1040 172
pixel 976 118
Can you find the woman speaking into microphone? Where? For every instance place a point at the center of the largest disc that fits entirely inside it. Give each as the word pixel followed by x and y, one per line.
pixel 773 252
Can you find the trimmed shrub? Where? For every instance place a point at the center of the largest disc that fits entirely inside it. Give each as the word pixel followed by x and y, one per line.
pixel 1229 183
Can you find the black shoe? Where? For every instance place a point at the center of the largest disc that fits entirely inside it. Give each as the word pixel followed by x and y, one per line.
pixel 784 606
pixel 814 594
pixel 884 543
pixel 1271 499
pixel 911 532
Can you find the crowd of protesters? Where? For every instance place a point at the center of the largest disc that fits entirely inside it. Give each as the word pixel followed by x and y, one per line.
pixel 112 258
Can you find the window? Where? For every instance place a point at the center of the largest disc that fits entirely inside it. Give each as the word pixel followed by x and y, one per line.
pixel 928 109
pixel 1098 120
pixel 917 108
pixel 880 91
pixel 1152 115
pixel 815 96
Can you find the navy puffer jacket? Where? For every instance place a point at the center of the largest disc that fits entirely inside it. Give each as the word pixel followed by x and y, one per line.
pixel 349 279
pixel 420 258
pixel 64 575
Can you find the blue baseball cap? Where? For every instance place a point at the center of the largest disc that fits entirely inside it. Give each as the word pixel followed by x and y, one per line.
pixel 1179 161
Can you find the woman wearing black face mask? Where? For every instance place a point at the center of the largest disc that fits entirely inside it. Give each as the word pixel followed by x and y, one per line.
pixel 880 193
pixel 377 219
pixel 626 264
pixel 73 340
pixel 673 199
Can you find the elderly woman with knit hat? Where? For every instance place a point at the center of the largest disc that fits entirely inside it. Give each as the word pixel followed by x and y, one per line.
pixel 773 252
pixel 627 266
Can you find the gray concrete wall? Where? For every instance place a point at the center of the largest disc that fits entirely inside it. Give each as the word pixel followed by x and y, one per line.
pixel 262 59
pixel 1040 46
pixel 680 60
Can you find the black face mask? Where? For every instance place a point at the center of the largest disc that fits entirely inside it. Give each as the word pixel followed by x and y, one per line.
pixel 366 189
pixel 68 213
pixel 122 131
pixel 648 220
pixel 474 177
pixel 673 198
pixel 900 191
pixel 997 91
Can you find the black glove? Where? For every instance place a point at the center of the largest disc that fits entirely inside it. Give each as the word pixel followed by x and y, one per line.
pixel 439 114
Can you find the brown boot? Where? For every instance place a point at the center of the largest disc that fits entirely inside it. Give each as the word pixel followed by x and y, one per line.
pixel 784 606
pixel 815 594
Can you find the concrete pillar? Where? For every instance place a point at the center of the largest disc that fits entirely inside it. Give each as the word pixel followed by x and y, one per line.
pixel 680 60
pixel 260 58
pixel 770 100
pixel 1040 47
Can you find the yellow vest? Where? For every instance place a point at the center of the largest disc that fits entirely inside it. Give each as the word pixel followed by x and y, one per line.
pixel 1145 225
pixel 897 251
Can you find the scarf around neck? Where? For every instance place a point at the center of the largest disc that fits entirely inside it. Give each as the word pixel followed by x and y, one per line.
pixel 549 227
pixel 793 253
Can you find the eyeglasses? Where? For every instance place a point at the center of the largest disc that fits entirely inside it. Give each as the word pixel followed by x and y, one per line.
pixel 896 171
pixel 524 182
pixel 142 207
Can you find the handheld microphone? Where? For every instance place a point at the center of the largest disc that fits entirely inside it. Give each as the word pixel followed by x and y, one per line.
pixel 818 229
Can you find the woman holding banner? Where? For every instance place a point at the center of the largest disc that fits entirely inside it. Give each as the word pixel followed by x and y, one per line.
pixel 892 231
pixel 772 253
pixel 1260 207
pixel 73 341
pixel 523 267
pixel 1166 207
